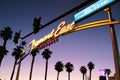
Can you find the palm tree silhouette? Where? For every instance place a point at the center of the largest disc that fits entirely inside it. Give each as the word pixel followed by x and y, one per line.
pixel 83 70
pixel 33 53
pixel 59 67
pixel 22 53
pixel 91 67
pixel 107 71
pixel 46 55
pixel 3 52
pixel 69 68
pixel 15 54
pixel 23 43
pixel 5 34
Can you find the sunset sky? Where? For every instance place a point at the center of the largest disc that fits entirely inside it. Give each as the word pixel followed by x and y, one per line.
pixel 79 48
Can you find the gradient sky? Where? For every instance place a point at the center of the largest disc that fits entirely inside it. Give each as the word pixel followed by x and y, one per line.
pixel 79 48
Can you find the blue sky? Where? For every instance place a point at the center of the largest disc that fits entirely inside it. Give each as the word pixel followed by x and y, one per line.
pixel 78 48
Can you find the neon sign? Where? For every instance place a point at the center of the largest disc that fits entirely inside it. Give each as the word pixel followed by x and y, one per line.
pixel 92 9
pixel 63 29
pixel 102 72
pixel 52 37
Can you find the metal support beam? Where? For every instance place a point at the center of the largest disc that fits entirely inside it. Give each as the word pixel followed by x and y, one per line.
pixel 115 46
pixel 83 4
pixel 79 28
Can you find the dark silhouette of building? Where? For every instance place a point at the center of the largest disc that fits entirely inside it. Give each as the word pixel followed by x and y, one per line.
pixel 102 78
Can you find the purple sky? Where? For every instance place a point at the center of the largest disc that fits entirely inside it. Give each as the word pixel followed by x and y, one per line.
pixel 79 48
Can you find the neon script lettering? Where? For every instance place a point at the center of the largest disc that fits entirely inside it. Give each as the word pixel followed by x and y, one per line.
pixel 52 37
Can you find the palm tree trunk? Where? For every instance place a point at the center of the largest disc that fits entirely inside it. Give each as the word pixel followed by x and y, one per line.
pixel 1 58
pixel 18 71
pixel 83 76
pixel 68 75
pixel 46 69
pixel 108 77
pixel 4 43
pixel 13 69
pixel 32 63
pixel 90 75
pixel 58 76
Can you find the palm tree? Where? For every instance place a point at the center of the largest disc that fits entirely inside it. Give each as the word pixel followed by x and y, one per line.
pixel 46 55
pixel 5 34
pixel 33 53
pixel 59 67
pixel 21 52
pixel 83 70
pixel 91 67
pixel 3 51
pixel 23 43
pixel 15 54
pixel 16 37
pixel 107 71
pixel 69 68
